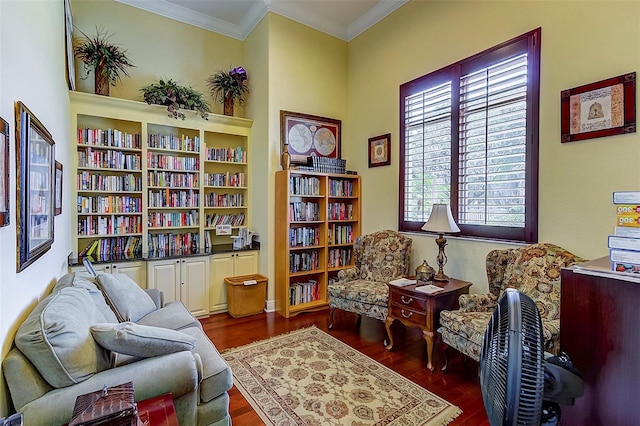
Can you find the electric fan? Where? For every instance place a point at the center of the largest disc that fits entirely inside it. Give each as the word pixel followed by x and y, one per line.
pixel 521 384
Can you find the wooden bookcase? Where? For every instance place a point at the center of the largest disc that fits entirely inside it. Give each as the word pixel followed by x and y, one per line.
pixel 317 221
pixel 142 178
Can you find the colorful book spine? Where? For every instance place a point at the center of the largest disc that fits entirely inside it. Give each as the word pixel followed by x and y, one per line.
pixel 624 243
pixel 626 197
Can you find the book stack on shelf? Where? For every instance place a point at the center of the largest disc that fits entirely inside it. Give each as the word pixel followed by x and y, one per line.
pixel 624 244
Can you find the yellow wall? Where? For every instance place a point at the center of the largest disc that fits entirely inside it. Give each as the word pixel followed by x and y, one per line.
pixel 582 42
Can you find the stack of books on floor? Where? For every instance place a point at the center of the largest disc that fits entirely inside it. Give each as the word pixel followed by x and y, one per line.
pixel 624 244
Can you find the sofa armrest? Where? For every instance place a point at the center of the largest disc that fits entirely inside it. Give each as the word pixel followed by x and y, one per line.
pixel 156 295
pixel 176 373
pixel 477 302
pixel 349 274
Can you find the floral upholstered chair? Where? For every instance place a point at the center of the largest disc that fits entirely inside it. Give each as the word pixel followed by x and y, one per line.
pixel 533 270
pixel 379 258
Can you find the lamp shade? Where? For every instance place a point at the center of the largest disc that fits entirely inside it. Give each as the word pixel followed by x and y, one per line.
pixel 441 220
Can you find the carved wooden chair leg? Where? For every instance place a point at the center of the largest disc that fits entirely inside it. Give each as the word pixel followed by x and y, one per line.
pixel 331 312
pixel 445 351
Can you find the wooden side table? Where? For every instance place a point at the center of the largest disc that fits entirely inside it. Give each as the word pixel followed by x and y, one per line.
pixel 416 309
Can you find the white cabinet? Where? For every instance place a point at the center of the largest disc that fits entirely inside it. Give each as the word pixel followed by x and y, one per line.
pixel 137 271
pixel 184 279
pixel 228 265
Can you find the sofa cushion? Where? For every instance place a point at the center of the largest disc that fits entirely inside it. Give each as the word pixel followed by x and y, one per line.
pixel 74 279
pixel 56 338
pixel 130 338
pixel 128 300
pixel 217 378
pixel 173 315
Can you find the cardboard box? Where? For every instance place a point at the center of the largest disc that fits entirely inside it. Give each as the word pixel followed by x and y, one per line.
pixel 246 294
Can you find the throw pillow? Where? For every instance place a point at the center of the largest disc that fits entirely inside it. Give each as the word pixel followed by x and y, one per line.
pixel 133 339
pixel 74 279
pixel 128 300
pixel 56 338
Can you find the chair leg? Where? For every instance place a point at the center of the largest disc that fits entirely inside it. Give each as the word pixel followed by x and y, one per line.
pixel 331 312
pixel 445 352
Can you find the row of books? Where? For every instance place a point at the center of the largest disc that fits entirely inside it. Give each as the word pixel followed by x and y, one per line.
pixel 303 292
pixel 340 234
pixel 109 225
pixel 300 211
pixel 224 219
pixel 109 204
pixel 339 257
pixel 231 155
pixel 303 261
pixel 304 237
pixel 109 138
pixel 172 162
pixel 174 198
pixel 174 243
pixel 624 244
pixel 109 160
pixel 172 219
pixel 88 181
pixel 183 143
pixel 224 200
pixel 340 211
pixel 225 179
pixel 304 185
pixel 172 179
pixel 113 248
pixel 340 188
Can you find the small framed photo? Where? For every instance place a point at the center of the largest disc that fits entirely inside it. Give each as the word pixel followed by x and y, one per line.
pixel 4 173
pixel 603 108
pixel 380 150
pixel 305 135
pixel 58 185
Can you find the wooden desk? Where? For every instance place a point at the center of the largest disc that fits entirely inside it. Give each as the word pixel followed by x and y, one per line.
pixel 599 320
pixel 415 309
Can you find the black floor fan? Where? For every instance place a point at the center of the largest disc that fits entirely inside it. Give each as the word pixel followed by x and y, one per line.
pixel 521 385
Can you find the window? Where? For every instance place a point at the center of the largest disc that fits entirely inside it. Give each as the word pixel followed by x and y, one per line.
pixel 469 138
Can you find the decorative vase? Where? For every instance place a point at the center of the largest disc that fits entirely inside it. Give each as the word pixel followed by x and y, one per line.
pixel 285 158
pixel 101 82
pixel 228 104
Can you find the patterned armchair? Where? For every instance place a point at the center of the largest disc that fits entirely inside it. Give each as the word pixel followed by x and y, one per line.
pixel 533 270
pixel 379 258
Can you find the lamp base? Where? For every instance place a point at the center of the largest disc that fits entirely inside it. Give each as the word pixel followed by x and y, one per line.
pixel 440 276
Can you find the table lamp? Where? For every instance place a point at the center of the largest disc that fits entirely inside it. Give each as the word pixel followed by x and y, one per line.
pixel 441 221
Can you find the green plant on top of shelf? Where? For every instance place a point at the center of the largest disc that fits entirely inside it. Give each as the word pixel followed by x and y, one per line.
pixel 228 87
pixel 105 59
pixel 174 97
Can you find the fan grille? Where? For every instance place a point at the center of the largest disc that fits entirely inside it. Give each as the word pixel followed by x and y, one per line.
pixel 511 373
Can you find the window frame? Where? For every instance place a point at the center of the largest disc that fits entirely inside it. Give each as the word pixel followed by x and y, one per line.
pixel 529 42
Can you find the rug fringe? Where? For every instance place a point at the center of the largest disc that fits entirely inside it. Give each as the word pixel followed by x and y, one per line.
pixel 277 336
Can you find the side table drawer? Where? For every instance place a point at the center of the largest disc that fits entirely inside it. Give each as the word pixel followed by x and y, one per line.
pixel 399 311
pixel 408 300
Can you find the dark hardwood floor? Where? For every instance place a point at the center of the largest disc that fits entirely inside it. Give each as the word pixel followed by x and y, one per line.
pixel 460 385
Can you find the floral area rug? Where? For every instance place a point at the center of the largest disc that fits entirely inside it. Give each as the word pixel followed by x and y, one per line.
pixel 307 377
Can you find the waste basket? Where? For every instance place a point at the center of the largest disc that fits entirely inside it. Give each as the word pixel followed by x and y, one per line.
pixel 246 294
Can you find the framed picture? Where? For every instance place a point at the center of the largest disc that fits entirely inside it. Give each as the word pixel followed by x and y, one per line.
pixel 4 173
pixel 306 135
pixel 68 33
pixel 603 108
pixel 34 187
pixel 380 150
pixel 58 188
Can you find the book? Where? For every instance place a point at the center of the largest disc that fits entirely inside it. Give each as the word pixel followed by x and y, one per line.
pixel 626 197
pixel 624 243
pixel 626 231
pixel 402 282
pixel 624 256
pixel 429 289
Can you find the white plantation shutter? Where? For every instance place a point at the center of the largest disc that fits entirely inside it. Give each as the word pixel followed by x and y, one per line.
pixel 492 140
pixel 469 138
pixel 427 151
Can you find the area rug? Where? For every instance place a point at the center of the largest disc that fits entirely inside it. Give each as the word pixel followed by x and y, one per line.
pixel 307 377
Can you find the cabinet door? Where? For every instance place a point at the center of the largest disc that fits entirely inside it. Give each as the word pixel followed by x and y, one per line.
pixel 246 263
pixel 221 267
pixel 137 271
pixel 194 285
pixel 164 275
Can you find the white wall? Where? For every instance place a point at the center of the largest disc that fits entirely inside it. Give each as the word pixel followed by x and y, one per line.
pixel 32 70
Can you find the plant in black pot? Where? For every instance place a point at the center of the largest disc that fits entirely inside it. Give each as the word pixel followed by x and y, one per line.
pixel 229 87
pixel 174 97
pixel 107 61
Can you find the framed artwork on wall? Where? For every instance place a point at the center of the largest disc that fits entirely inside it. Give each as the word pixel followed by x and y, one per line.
pixel 4 173
pixel 380 150
pixel 603 108
pixel 305 135
pixel 34 187
pixel 58 186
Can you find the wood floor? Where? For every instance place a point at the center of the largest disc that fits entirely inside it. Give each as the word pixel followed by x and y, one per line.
pixel 460 385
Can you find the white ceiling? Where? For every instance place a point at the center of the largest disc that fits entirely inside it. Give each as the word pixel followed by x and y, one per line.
pixel 344 19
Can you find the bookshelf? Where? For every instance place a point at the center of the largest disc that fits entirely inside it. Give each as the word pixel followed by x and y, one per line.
pixel 148 184
pixel 317 221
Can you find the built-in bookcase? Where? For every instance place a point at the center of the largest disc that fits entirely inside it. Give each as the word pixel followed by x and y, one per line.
pixel 148 182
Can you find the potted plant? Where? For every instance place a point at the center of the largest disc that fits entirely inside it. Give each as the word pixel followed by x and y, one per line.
pixel 229 87
pixel 174 97
pixel 105 59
